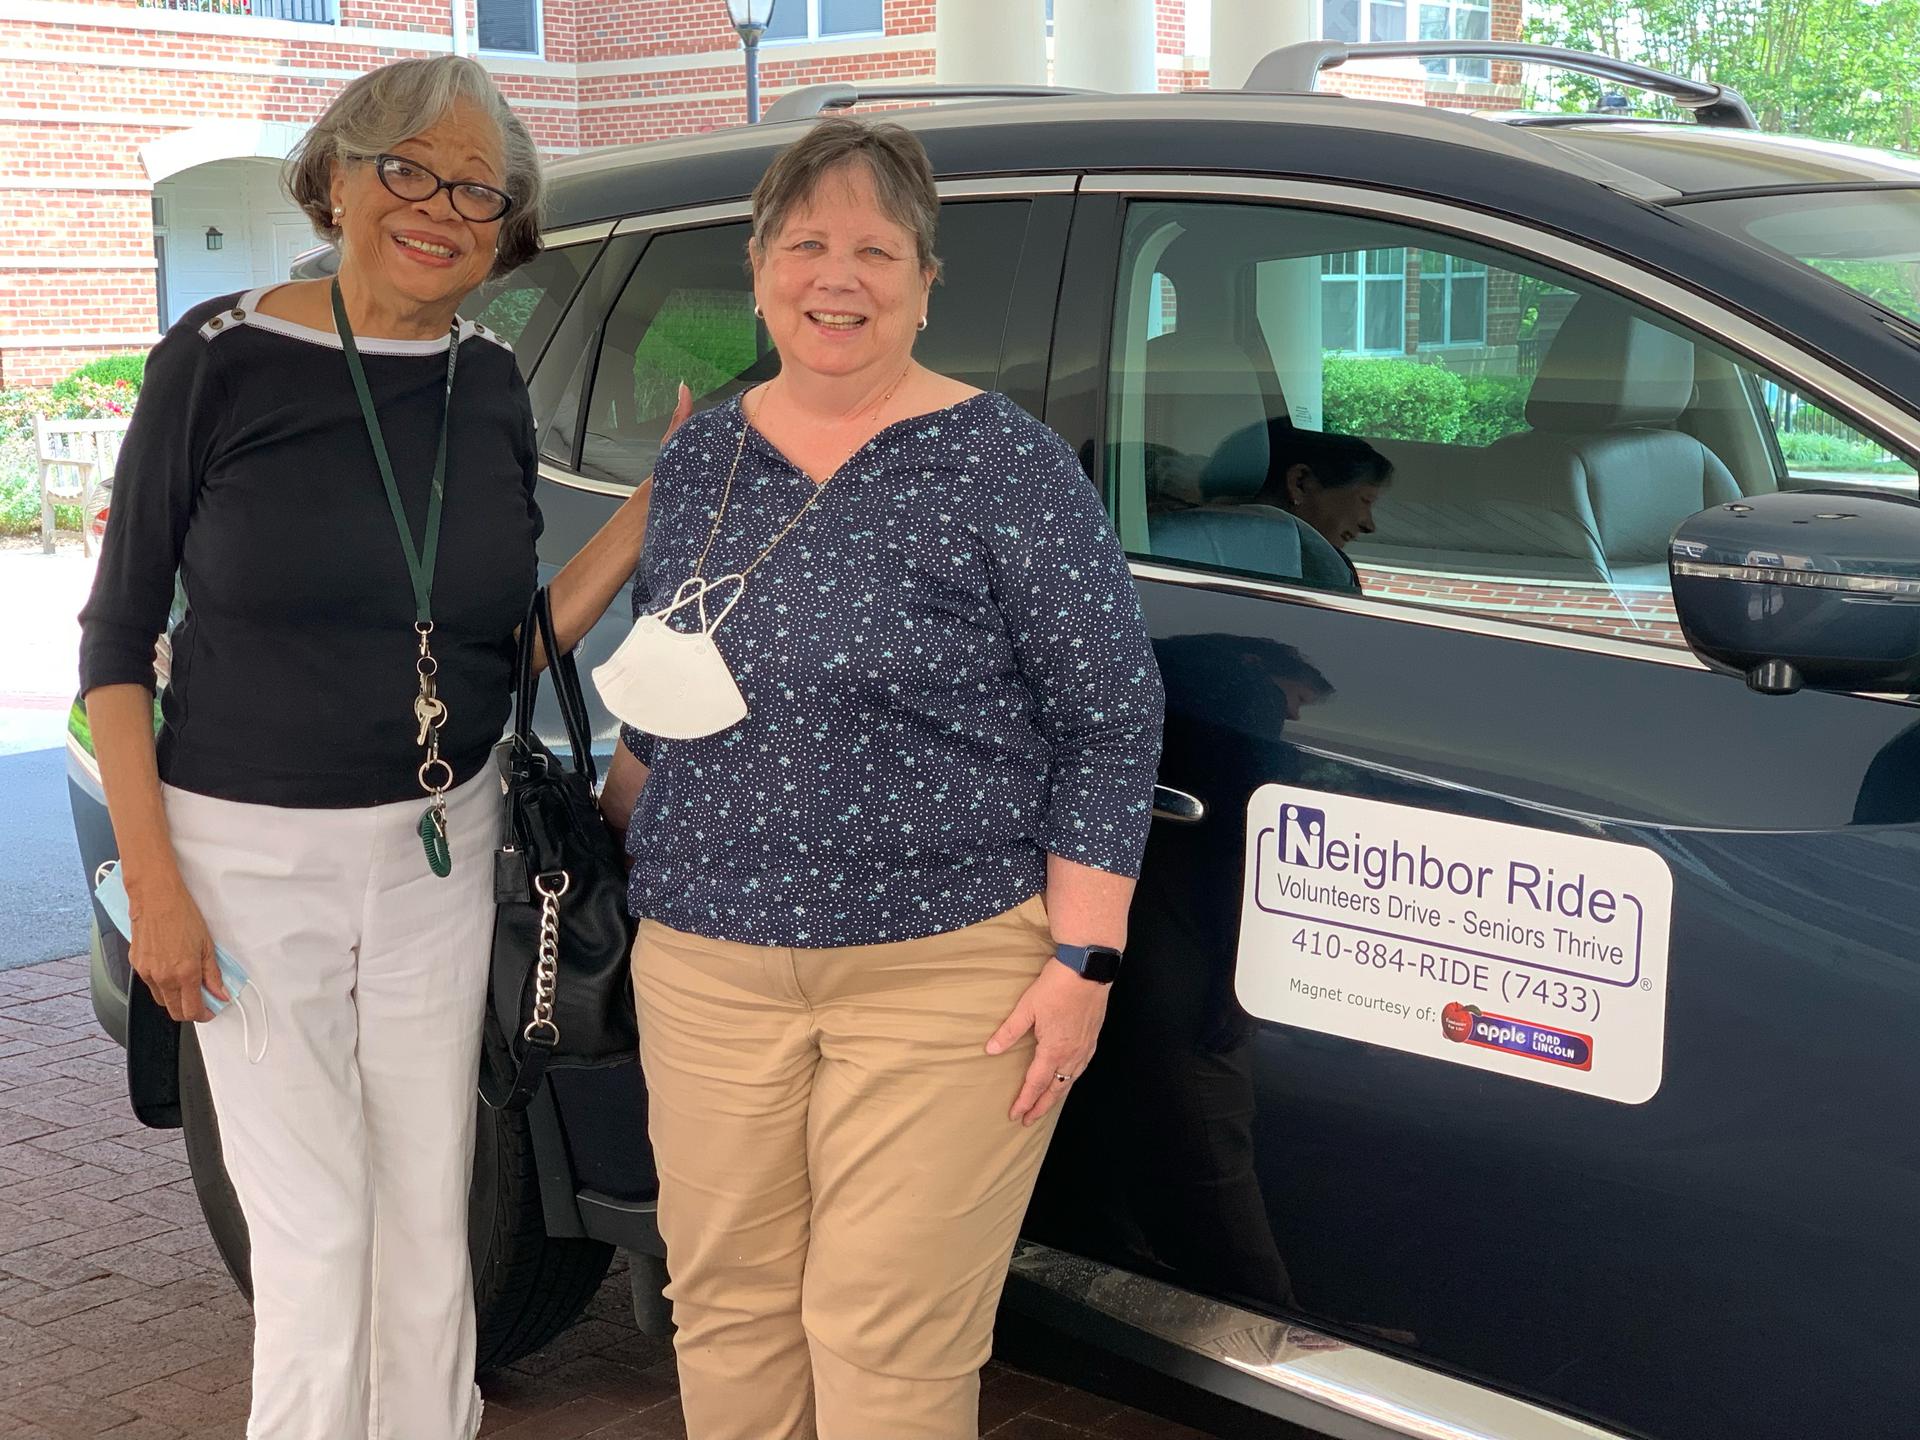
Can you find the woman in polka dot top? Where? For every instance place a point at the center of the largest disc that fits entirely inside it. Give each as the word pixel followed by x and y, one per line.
pixel 877 915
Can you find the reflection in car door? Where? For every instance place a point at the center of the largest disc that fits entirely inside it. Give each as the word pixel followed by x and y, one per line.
pixel 1652 1265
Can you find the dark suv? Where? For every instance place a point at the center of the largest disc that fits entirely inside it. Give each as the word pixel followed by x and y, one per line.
pixel 1520 1035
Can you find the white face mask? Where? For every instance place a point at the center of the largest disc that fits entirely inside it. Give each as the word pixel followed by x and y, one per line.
pixel 673 683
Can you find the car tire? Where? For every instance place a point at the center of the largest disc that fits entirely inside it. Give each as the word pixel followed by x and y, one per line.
pixel 528 1285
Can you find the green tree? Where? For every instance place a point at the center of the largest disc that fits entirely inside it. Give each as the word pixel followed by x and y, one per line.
pixel 1830 69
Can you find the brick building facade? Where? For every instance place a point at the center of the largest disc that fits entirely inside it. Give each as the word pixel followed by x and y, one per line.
pixel 140 141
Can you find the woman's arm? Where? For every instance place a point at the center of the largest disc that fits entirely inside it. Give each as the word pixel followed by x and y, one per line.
pixel 1083 649
pixel 176 431
pixel 622 791
pixel 171 949
pixel 588 582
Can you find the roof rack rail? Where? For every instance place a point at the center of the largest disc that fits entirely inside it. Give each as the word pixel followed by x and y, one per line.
pixel 811 100
pixel 1295 69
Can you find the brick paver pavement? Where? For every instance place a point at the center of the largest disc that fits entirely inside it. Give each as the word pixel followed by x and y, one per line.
pixel 116 1317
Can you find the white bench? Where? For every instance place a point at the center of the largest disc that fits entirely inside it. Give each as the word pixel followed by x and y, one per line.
pixel 76 460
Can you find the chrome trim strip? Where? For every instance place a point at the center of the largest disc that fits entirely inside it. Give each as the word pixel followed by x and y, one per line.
pixel 1458 620
pixel 948 190
pixel 1008 185
pixel 577 235
pixel 1178 806
pixel 1682 304
pixel 674 219
pixel 1883 586
pixel 551 471
pixel 1327 1385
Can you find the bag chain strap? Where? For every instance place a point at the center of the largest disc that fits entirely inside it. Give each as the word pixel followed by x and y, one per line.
pixel 546 973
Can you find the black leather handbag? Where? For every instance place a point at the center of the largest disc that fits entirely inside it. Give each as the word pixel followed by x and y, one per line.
pixel 560 992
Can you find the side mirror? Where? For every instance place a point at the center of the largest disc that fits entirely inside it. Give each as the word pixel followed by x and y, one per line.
pixel 1813 587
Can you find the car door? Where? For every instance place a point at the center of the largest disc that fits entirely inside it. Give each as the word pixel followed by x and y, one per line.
pixel 1506 992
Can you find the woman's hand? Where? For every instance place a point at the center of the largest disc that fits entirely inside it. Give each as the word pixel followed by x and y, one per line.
pixel 1065 1013
pixel 173 953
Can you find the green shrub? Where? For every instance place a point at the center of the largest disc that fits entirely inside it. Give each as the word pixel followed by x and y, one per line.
pixel 114 369
pixel 1391 399
pixel 1810 450
pixel 1496 407
pixel 1406 400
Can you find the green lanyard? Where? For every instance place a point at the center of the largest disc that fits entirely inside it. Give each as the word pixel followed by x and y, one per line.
pixel 419 560
pixel 429 710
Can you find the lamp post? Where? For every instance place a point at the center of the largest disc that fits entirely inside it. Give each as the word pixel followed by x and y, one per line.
pixel 750 18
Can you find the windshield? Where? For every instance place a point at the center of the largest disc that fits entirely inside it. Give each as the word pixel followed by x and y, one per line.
pixel 1868 240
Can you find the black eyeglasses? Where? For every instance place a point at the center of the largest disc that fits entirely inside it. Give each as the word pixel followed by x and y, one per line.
pixel 411 180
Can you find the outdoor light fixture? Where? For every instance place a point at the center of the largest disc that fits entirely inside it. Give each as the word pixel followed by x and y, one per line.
pixel 214 238
pixel 750 18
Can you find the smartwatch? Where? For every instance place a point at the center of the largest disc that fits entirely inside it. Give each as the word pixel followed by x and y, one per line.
pixel 1099 963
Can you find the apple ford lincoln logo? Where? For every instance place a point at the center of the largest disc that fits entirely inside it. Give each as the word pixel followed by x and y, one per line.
pixel 1303 835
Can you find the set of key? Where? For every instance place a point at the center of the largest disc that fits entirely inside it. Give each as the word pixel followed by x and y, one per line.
pixel 430 710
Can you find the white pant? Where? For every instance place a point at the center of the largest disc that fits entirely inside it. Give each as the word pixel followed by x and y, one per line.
pixel 350 1142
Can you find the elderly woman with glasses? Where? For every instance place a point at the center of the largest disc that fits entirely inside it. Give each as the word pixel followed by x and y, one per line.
pixel 341 472
pixel 885 838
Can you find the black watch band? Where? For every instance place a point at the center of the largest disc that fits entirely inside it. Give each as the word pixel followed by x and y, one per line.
pixel 1099 963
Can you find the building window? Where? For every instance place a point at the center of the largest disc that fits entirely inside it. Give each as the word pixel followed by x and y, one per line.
pixel 1457 20
pixel 824 19
pixel 1453 300
pixel 510 27
pixel 1363 301
pixel 1358 21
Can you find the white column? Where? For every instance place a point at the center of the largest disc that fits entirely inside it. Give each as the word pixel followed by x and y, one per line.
pixel 1106 45
pixel 991 42
pixel 1287 299
pixel 1245 30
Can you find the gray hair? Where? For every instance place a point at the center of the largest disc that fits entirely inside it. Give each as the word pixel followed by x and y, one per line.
pixel 385 106
pixel 893 156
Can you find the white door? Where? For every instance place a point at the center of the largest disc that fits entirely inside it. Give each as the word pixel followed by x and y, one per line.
pixel 292 237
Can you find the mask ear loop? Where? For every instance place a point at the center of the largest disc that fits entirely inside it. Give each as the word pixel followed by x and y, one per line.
pixel 739 582
pixel 699 586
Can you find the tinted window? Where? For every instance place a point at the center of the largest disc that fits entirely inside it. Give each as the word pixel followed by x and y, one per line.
pixel 525 305
pixel 687 315
pixel 1355 405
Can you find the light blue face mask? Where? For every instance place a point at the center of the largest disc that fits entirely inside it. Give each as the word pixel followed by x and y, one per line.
pixel 111 892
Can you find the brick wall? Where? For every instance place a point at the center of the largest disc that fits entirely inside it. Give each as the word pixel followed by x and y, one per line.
pixel 106 90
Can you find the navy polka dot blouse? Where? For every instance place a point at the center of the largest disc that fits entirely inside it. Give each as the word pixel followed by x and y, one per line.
pixel 946 677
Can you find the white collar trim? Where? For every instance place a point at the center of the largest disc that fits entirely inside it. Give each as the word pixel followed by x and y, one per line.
pixel 246 311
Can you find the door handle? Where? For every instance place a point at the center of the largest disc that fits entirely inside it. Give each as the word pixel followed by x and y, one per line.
pixel 1178 805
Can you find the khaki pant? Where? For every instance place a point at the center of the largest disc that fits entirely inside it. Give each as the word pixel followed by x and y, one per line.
pixel 840 1186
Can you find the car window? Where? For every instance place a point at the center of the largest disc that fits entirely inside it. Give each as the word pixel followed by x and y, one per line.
pixel 687 315
pixel 524 305
pixel 1354 405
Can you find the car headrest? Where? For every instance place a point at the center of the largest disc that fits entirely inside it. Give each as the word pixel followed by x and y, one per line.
pixel 1237 469
pixel 1607 368
pixel 1198 388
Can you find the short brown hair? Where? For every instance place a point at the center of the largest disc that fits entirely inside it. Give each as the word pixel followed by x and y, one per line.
pixel 383 107
pixel 894 157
